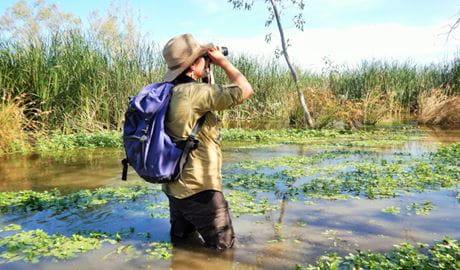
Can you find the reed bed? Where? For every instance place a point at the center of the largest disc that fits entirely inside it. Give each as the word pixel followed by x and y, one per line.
pixel 85 84
pixel 20 123
pixel 438 107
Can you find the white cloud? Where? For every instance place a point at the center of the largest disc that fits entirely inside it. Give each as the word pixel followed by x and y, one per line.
pixel 351 45
pixel 211 6
pixel 345 3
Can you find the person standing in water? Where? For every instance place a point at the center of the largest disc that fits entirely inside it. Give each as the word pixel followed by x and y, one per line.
pixel 196 200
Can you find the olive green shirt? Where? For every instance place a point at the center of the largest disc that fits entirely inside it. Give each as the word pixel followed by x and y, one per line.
pixel 189 102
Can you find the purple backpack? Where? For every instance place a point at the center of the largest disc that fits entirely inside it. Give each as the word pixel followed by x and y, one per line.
pixel 149 150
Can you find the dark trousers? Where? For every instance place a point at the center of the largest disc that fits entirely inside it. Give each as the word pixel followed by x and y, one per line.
pixel 205 212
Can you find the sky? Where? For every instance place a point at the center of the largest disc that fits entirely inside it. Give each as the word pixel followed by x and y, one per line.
pixel 346 32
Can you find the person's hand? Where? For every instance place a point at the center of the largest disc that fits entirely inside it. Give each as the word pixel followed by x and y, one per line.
pixel 217 58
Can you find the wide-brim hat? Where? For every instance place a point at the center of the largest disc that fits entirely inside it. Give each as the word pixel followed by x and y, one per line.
pixel 180 52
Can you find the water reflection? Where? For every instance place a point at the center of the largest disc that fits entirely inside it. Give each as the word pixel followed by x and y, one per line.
pixel 193 256
pixel 67 171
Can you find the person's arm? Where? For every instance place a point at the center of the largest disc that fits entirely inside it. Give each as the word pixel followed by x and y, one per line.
pixel 233 74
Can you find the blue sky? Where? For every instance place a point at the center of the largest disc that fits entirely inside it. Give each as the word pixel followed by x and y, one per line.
pixel 345 31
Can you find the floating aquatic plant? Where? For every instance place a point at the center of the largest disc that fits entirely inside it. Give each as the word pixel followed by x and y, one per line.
pixel 29 200
pixel 246 203
pixel 442 255
pixel 423 208
pixel 31 246
pixel 394 210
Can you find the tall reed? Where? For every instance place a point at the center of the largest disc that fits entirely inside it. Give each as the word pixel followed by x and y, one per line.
pixel 78 79
pixel 84 83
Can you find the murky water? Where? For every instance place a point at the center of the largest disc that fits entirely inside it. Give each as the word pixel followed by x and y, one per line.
pixel 297 233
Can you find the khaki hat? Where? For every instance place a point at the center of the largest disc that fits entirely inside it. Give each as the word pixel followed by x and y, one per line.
pixel 180 52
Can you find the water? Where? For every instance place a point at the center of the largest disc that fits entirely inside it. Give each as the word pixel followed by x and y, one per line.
pixel 297 233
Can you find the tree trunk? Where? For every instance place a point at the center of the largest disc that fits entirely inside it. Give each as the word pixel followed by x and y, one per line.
pixel 306 113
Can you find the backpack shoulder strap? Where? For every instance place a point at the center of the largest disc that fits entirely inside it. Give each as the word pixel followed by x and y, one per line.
pixel 190 144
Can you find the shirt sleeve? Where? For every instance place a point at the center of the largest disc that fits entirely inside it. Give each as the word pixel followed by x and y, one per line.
pixel 216 97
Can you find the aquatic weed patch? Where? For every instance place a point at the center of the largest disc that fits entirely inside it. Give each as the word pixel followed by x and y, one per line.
pixel 246 203
pixel 419 208
pixel 331 137
pixel 31 246
pixel 382 179
pixel 394 210
pixel 159 210
pixel 251 182
pixel 147 251
pixel 299 162
pixel 423 208
pixel 349 173
pixel 442 255
pixel 36 245
pixel 26 201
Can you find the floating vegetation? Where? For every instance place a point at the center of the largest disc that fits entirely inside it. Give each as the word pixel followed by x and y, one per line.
pixel 326 137
pixel 245 203
pixel 392 210
pixel 149 251
pixel 11 227
pixel 369 176
pixel 442 255
pixel 31 246
pixel 159 250
pixel 251 182
pixel 379 179
pixel 35 245
pixel 160 209
pixel 423 208
pixel 53 200
pixel 299 162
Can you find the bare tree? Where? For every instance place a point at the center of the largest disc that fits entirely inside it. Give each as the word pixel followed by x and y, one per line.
pixel 274 8
pixel 453 27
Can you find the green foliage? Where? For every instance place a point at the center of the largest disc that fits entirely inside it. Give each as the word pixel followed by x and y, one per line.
pixel 423 208
pixel 53 200
pixel 392 210
pixel 35 245
pixel 58 142
pixel 377 179
pixel 31 246
pixel 11 227
pixel 442 255
pixel 159 250
pixel 344 178
pixel 84 84
pixel 159 209
pixel 246 203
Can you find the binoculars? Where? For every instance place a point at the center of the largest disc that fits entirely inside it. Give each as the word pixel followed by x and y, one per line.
pixel 223 50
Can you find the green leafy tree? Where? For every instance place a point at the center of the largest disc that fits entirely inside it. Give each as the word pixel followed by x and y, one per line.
pixel 275 9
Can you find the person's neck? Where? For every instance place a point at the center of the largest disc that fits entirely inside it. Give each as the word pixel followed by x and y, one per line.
pixel 184 78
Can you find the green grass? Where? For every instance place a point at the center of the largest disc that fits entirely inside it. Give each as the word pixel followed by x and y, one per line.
pixel 77 79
